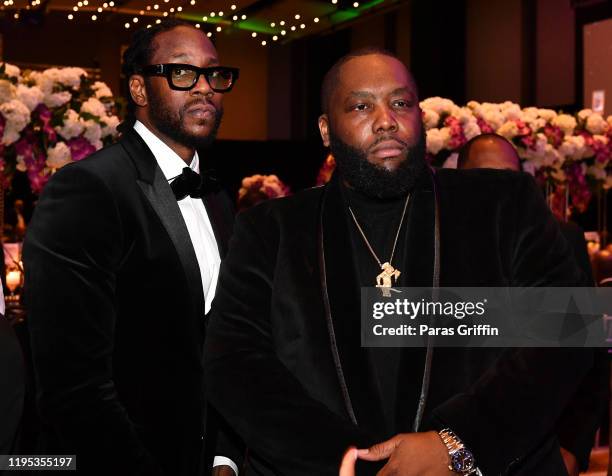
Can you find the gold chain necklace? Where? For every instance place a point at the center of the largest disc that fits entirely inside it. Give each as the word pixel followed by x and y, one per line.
pixel 389 273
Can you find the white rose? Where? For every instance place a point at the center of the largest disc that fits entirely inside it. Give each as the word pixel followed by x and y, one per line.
pixel 509 130
pixel 566 123
pixel 70 77
pixel 57 99
pixel 430 118
pixel 471 129
pixel 30 96
pixel 584 114
pixel 93 131
pixel 17 117
pixel 58 156
pixel 547 114
pixel 12 71
pixel 437 139
pixel 101 90
pixel 598 173
pixel 8 91
pixel 529 167
pixel 596 124
pixel 493 117
pixel 72 127
pixel 94 107
pixel 512 111
pixel 110 126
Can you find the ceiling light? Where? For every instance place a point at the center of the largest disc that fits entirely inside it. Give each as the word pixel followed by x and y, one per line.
pixel 274 38
pixel 316 20
pixel 70 17
pixel 233 7
pixel 302 26
pixel 127 25
pixel 218 28
pixel 264 43
pixel 94 17
pixel 243 17
pixel 209 34
pixel 293 28
pixel 197 25
pixel 283 32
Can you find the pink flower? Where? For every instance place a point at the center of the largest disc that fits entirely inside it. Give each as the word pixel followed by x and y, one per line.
pixel 44 114
pixel 2 124
pixel 485 128
pixel 554 135
pixel 80 148
pixel 457 136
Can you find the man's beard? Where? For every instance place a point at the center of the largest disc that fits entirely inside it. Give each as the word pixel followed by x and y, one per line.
pixel 375 181
pixel 173 127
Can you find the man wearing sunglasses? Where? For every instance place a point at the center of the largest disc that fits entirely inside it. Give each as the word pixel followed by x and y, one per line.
pixel 122 257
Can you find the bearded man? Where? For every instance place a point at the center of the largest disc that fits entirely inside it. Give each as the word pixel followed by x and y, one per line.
pixel 283 359
pixel 122 258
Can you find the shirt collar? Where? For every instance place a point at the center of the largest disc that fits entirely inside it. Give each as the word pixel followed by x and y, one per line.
pixel 169 162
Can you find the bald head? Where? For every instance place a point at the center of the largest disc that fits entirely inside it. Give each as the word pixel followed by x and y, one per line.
pixel 489 151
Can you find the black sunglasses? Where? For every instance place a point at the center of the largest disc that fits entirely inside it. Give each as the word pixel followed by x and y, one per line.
pixel 184 77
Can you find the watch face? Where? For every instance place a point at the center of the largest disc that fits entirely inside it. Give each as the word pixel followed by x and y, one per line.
pixel 462 460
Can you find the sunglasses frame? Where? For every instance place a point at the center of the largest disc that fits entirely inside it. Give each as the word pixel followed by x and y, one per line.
pixel 166 71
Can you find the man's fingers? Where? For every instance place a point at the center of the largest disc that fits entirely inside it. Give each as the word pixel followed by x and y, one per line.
pixel 347 468
pixel 380 451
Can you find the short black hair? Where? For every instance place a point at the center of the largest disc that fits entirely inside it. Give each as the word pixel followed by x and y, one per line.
pixel 138 54
pixel 330 80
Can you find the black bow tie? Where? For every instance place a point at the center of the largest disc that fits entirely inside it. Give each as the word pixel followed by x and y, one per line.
pixel 192 184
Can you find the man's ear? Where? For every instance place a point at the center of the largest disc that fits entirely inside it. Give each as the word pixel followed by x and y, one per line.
pixel 138 90
pixel 324 129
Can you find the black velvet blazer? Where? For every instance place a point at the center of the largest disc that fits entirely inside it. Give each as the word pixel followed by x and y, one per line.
pixel 116 314
pixel 269 360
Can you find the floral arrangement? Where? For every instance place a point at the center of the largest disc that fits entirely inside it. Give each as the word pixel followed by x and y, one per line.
pixel 49 119
pixel 569 153
pixel 258 188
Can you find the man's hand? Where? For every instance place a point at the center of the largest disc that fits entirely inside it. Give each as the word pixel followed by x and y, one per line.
pixel 421 454
pixel 347 468
pixel 222 470
pixel 571 464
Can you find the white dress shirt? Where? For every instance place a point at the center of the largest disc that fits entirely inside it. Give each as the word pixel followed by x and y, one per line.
pixel 198 225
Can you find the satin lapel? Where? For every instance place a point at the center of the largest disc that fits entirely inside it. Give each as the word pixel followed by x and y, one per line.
pixel 220 219
pixel 344 323
pixel 418 272
pixel 156 189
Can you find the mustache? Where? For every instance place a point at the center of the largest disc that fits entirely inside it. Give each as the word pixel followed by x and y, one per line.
pixel 386 138
pixel 200 102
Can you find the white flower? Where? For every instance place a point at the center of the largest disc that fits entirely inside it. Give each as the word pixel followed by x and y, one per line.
pixel 30 96
pixel 596 124
pixel 8 91
pixel 94 107
pixel 101 90
pixel 57 99
pixel 58 156
pixel 12 71
pixel 437 139
pixel 439 105
pixel 110 126
pixel 492 116
pixel 93 132
pixel 430 118
pixel 72 126
pixel 509 130
pixel 566 123
pixel 71 77
pixel 17 117
pixel 584 114
pixel 547 114
pixel 511 111
pixel 574 147
pixel 471 129
pixel 529 167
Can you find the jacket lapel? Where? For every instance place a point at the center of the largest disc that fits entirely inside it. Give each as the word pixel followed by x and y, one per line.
pixel 156 189
pixel 220 215
pixel 343 314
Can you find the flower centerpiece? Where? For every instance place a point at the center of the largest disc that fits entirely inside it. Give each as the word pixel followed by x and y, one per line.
pixel 258 188
pixel 50 118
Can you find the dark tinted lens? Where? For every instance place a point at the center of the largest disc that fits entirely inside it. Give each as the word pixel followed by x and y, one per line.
pixel 220 79
pixel 183 77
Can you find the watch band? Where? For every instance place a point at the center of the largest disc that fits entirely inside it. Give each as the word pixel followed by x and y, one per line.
pixel 454 444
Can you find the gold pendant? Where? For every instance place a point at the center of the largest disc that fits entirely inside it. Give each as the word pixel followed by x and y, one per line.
pixel 385 279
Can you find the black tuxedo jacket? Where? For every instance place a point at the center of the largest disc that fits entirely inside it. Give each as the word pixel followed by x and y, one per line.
pixel 116 315
pixel 295 402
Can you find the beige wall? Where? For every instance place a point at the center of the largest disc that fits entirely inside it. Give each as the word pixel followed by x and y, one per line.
pixel 493 50
pixel 597 64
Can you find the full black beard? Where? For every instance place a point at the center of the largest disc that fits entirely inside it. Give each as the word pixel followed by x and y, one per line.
pixel 375 181
pixel 173 127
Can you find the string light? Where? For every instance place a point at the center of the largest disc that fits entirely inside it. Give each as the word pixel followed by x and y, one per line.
pixel 274 38
pixel 135 20
pixel 172 10
pixel 180 9
pixel 209 34
pixel 75 9
pixel 111 4
pixel 316 20
pixel 272 24
pixel 293 28
pixel 254 34
pixel 220 14
pixel 192 2
pixel 356 4
pixel 197 25
pixel 282 23
pixel 264 43
pixel 165 14
pixel 297 17
pixel 302 26
pixel 219 29
pixel 204 18
pixel 70 17
pixel 94 17
pixel 149 25
pixel 212 14
pixel 233 7
pixel 243 17
pixel 127 25
pixel 283 32
pixel 158 21
pixel 156 7
pixel 235 18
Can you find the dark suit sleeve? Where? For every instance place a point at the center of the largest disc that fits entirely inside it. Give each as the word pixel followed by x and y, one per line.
pixel 72 250
pixel 514 407
pixel 280 422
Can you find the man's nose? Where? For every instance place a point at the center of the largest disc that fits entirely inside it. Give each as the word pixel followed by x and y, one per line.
pixel 202 87
pixel 385 121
